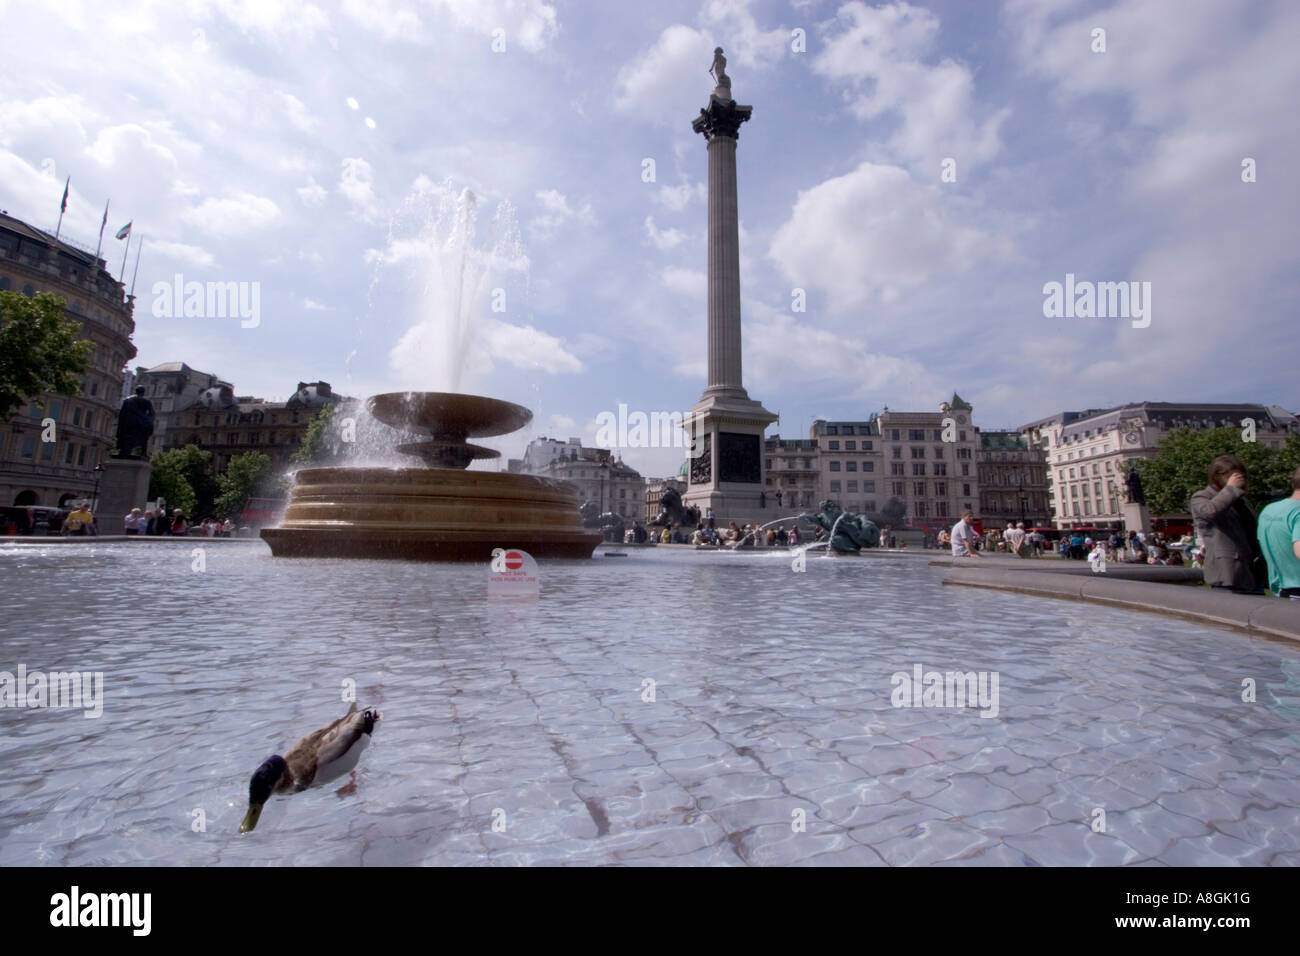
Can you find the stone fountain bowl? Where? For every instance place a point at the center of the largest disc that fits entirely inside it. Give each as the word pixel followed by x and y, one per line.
pixel 449 415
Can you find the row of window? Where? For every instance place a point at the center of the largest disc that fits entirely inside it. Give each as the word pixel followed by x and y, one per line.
pixel 848 446
pixel 851 486
pixel 74 453
pixel 1083 471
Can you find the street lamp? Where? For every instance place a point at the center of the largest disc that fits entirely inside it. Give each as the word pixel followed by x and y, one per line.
pixel 99 473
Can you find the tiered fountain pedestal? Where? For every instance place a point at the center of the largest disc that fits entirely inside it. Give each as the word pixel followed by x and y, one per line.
pixel 433 514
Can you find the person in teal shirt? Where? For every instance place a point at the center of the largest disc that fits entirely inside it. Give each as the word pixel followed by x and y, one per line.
pixel 1279 539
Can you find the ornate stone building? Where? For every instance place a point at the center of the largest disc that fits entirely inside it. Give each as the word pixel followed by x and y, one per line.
pixel 929 462
pixel 792 470
pixel 37 472
pixel 1088 453
pixel 1012 481
pixel 596 474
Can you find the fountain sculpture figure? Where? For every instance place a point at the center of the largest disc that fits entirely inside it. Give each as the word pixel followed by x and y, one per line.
pixel 847 533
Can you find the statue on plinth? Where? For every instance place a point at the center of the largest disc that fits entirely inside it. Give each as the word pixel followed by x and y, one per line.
pixel 134 426
pixel 1134 483
pixel 853 533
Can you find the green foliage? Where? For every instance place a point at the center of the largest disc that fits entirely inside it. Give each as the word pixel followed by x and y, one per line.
pixel 39 350
pixel 319 443
pixel 245 477
pixel 183 476
pixel 1182 464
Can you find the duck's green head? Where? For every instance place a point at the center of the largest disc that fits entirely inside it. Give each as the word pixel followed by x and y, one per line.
pixel 260 788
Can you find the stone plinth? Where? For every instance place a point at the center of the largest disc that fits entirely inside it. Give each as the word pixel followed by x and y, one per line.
pixel 124 485
pixel 1136 517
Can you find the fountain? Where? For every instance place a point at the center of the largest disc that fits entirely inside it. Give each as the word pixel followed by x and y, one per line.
pixel 439 512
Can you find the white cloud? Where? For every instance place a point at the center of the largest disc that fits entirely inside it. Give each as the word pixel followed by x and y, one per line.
pixel 296 111
pixel 677 197
pixel 356 185
pixel 879 58
pixel 526 347
pixel 531 24
pixel 311 305
pixel 688 282
pixel 182 252
pixel 664 83
pixel 313 194
pixel 872 233
pixel 235 215
pixel 556 212
pixel 662 238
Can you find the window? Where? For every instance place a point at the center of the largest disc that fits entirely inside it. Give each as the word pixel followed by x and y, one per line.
pixel 918 453
pixel 81 456
pixel 961 435
pixel 1071 472
pixel 869 506
pixel 898 491
pixel 1074 491
pixel 94 387
pixel 850 466
pixel 54 410
pixel 1108 467
pixel 965 470
pixel 835 466
pixel 1096 468
pixel 852 487
pixel 832 429
pixel 916 434
pixel 965 490
pixel 866 446
pixel 833 446
pixel 868 466
pixel 232 438
pixel 893 433
pixel 1087 507
pixel 918 489
pixel 835 487
pixel 807 463
pixel 1096 488
pixel 76 417
pixel 67 456
pixel 850 446
pixel 940 489
pixel 938 434
pixel 767 463
pixel 941 509
pixel 896 452
pixel 29 446
pixel 1107 448
pixel 897 468
pixel 870 488
pixel 938 451
pixel 941 468
pixel 918 468
pixel 1085 489
pixel 47 450
pixel 921 511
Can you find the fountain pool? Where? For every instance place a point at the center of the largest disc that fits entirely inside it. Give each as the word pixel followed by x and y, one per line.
pixel 770 736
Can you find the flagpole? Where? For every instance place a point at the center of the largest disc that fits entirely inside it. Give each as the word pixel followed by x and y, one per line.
pixel 125 252
pixel 63 205
pixel 102 224
pixel 136 271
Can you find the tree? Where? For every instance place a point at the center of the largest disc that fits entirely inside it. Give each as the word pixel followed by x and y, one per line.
pixel 183 476
pixel 39 350
pixel 1182 463
pixel 320 445
pixel 245 477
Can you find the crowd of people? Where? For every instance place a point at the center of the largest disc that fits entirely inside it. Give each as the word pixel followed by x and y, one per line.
pixel 81 522
pixel 1236 549
pixel 707 535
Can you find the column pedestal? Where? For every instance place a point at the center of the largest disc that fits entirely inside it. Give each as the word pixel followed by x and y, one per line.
pixel 125 485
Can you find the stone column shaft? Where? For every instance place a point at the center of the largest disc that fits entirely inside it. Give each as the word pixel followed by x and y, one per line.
pixel 725 373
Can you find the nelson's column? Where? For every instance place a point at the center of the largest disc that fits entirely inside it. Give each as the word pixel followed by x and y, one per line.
pixel 726 425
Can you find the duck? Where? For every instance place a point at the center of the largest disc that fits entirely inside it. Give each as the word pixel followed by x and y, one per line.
pixel 322 756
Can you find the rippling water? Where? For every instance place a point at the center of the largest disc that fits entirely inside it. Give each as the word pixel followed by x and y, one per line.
pixel 520 733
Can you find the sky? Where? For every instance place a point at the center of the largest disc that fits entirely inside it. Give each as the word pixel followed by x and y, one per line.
pixel 457 195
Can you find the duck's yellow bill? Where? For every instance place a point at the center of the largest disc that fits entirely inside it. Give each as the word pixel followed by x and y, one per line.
pixel 251 817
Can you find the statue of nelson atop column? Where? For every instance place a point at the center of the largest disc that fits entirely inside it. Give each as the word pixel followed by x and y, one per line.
pixel 134 425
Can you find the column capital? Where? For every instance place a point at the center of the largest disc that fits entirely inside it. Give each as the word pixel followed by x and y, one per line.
pixel 721 118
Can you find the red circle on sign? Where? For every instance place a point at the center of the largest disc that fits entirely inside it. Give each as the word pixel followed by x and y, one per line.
pixel 514 560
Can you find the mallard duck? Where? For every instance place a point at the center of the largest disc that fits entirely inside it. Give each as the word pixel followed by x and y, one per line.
pixel 320 757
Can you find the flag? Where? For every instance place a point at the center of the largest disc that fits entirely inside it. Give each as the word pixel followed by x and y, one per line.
pixel 63 206
pixel 125 230
pixel 104 221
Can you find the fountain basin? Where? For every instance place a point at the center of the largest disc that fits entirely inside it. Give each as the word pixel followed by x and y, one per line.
pixel 428 514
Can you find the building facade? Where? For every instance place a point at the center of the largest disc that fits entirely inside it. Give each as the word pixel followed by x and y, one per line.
pixel 595 473
pixel 34 471
pixel 930 463
pixel 792 474
pixel 1013 482
pixel 1089 453
pixel 229 425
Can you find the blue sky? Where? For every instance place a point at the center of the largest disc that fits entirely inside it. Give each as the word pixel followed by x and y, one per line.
pixel 322 150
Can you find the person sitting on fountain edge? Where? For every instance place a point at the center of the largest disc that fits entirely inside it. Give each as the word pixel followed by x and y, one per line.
pixel 963 537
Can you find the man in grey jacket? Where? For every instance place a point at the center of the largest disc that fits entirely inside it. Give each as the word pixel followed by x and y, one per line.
pixel 1225 524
